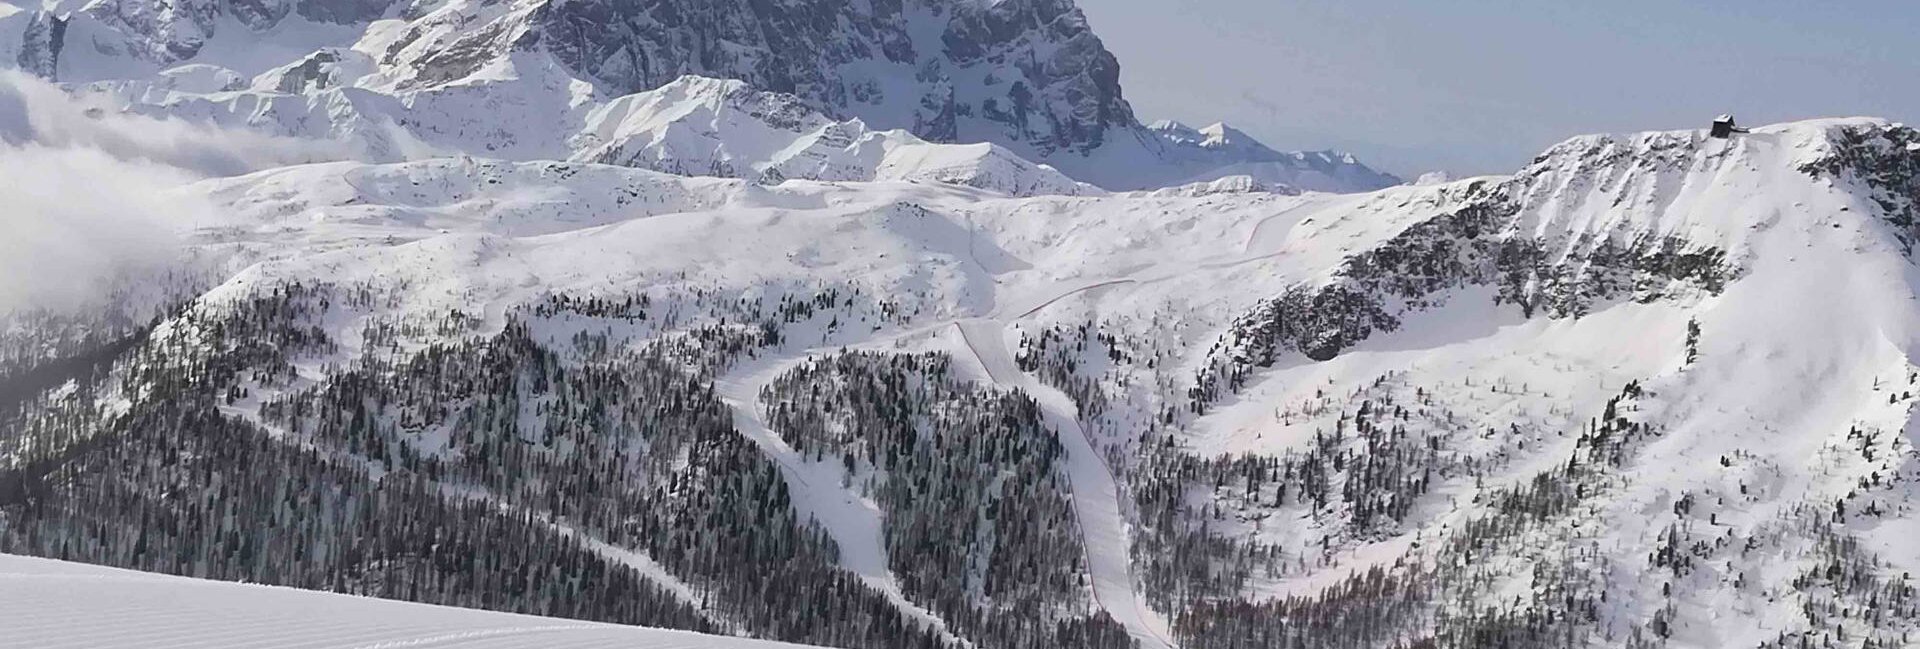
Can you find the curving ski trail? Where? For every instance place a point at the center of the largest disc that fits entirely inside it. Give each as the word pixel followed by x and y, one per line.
pixel 1096 494
pixel 853 521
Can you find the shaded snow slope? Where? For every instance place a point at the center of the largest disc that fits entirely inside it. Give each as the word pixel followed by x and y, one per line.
pixel 58 604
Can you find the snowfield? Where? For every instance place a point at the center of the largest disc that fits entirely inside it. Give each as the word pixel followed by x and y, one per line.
pixel 49 604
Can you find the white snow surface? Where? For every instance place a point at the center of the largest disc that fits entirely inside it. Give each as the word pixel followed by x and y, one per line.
pixel 49 604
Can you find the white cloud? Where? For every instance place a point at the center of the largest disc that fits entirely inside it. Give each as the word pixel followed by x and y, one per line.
pixel 75 220
pixel 86 197
pixel 34 111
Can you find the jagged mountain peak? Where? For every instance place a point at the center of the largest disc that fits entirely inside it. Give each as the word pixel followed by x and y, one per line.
pixel 1220 134
pixel 1029 76
pixel 1213 136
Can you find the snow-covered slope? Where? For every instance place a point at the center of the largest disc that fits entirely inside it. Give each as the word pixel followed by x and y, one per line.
pixel 49 603
pixel 1652 389
pixel 1498 317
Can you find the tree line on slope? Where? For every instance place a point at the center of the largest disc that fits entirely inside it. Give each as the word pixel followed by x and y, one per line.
pixel 172 484
pixel 977 517
pixel 512 470
pixel 469 448
pixel 1414 271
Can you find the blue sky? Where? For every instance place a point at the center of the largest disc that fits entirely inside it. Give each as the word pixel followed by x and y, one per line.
pixel 1480 86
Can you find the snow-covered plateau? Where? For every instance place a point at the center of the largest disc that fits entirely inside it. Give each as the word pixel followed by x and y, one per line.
pixel 473 307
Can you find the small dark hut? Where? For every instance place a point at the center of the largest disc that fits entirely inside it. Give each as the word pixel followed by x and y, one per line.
pixel 1723 127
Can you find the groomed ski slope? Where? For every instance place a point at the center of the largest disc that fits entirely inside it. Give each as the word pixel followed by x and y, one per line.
pixel 47 604
pixel 1096 496
pixel 854 521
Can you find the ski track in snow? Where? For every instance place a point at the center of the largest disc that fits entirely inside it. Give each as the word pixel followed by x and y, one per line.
pixel 856 522
pixel 48 604
pixel 1096 495
pixel 852 520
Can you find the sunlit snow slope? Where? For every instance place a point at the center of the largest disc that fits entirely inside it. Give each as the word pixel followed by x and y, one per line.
pixel 48 604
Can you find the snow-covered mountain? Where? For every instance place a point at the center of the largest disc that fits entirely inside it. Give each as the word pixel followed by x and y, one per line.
pixel 1221 151
pixel 692 126
pixel 1604 401
pixel 790 321
pixel 515 79
pixel 699 126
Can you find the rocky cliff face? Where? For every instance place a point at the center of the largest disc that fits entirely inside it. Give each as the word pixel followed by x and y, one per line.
pixel 1028 73
pixel 40 43
pixel 170 31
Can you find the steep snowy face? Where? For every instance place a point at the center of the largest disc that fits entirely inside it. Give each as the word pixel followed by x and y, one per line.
pixel 709 127
pixel 1027 76
pixel 1726 194
pixel 1597 219
pixel 1027 73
